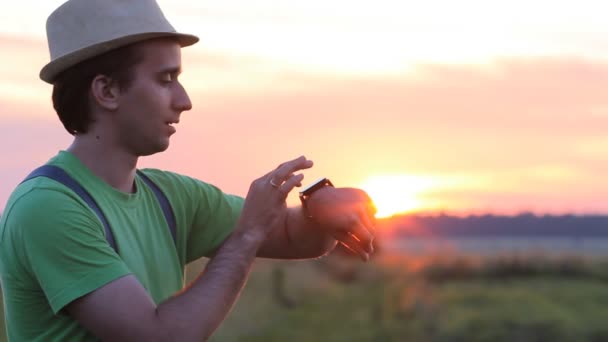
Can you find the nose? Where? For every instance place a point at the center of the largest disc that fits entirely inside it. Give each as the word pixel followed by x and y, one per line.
pixel 181 100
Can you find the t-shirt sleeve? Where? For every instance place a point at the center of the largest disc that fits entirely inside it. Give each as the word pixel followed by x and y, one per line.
pixel 205 215
pixel 63 245
pixel 214 220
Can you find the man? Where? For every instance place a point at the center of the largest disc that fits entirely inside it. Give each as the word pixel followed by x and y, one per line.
pixel 70 274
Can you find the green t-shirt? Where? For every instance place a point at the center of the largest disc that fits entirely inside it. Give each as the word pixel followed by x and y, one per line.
pixel 53 247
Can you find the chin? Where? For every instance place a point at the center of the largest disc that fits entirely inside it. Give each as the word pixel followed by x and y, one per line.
pixel 150 150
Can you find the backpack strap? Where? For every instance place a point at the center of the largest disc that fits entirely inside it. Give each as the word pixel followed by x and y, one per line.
pixel 164 204
pixel 59 175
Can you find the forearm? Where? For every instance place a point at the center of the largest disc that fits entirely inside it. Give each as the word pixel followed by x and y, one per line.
pixel 298 237
pixel 198 311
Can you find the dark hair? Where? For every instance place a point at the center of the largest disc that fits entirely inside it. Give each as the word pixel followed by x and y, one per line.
pixel 71 87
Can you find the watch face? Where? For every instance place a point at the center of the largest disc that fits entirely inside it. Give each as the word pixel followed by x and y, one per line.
pixel 313 184
pixel 319 182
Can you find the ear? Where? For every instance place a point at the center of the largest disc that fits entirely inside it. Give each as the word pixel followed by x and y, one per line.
pixel 105 92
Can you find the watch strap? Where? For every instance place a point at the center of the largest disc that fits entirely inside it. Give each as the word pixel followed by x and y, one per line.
pixel 312 188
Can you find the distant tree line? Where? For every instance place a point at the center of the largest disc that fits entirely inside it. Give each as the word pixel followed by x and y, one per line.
pixel 493 225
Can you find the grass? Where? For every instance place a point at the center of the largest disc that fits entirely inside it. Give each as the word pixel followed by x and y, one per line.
pixel 542 309
pixel 396 298
pixel 386 303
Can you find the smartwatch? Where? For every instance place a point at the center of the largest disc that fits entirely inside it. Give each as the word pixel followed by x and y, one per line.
pixel 309 190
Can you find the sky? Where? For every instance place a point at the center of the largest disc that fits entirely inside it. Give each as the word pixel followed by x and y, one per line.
pixel 461 107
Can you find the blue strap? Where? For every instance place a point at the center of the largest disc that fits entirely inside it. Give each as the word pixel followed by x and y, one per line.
pixel 59 175
pixel 164 204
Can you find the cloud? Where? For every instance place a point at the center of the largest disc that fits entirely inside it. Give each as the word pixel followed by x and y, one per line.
pixel 532 128
pixel 518 122
pixel 540 106
pixel 22 59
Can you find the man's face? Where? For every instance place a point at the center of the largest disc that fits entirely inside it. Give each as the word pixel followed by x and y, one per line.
pixel 152 104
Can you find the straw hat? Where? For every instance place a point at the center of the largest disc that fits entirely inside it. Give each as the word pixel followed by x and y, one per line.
pixel 82 29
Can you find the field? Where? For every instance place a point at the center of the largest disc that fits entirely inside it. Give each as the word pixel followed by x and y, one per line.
pixel 398 298
pixel 441 299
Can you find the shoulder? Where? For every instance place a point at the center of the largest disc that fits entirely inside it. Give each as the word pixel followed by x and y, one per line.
pixel 41 206
pixel 42 195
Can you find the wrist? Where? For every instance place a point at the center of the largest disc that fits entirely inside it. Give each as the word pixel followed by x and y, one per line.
pixel 308 192
pixel 250 236
pixel 307 234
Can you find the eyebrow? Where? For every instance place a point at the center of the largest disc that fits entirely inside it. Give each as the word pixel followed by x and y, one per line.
pixel 171 70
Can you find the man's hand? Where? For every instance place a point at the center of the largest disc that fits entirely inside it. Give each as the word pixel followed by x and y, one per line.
pixel 265 207
pixel 347 214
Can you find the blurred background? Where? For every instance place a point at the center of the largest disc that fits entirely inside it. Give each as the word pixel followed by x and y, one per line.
pixel 478 128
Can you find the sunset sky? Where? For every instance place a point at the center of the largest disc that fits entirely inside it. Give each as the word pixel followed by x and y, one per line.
pixel 464 107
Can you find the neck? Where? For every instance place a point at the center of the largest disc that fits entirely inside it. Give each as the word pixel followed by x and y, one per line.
pixel 113 165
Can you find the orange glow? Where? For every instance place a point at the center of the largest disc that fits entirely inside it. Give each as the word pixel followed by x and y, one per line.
pixel 503 120
pixel 395 194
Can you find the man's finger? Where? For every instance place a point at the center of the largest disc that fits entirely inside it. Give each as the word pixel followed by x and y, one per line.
pixel 282 173
pixel 368 218
pixel 350 242
pixel 361 232
pixel 291 182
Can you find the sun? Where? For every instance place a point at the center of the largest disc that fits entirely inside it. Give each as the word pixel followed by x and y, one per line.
pixel 397 194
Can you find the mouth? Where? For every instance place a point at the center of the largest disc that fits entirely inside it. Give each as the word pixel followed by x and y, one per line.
pixel 171 123
pixel 170 126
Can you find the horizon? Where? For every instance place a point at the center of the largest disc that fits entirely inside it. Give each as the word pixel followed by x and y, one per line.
pixel 427 106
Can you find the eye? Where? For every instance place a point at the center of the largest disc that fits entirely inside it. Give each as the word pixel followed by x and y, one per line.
pixel 167 77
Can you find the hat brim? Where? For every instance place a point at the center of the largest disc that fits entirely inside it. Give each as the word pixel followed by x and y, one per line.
pixel 50 71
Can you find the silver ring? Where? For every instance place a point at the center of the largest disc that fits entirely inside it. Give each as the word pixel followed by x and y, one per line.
pixel 273 184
